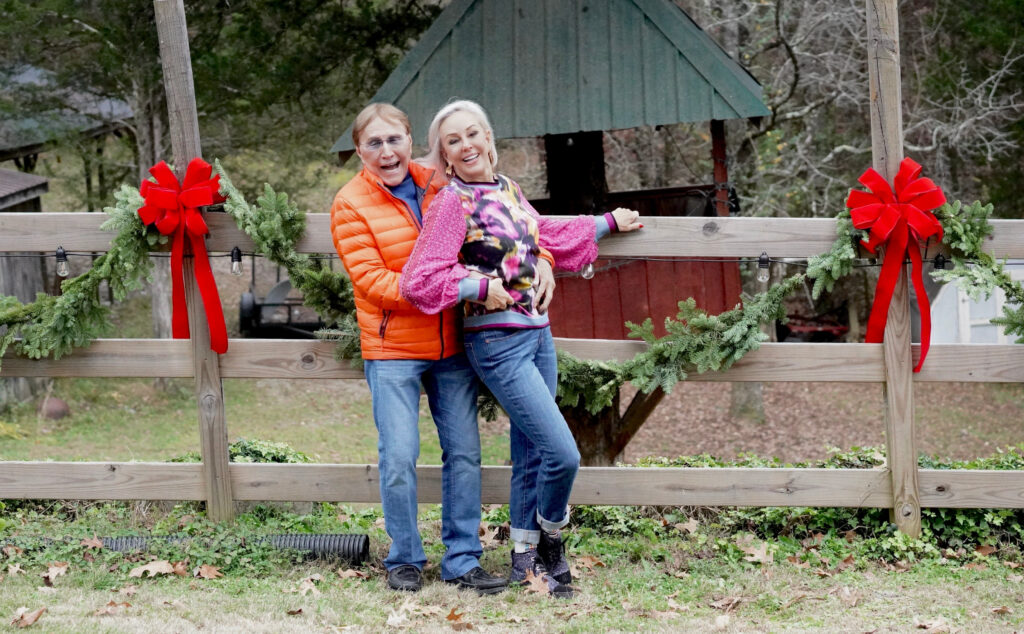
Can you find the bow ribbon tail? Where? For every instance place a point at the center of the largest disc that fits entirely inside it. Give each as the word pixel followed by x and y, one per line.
pixel 890 274
pixel 211 299
pixel 179 308
pixel 923 306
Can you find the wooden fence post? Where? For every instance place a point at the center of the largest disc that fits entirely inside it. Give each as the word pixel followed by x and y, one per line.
pixel 184 127
pixel 887 152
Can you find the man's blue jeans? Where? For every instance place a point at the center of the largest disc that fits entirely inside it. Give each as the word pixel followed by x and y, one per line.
pixel 520 368
pixel 451 387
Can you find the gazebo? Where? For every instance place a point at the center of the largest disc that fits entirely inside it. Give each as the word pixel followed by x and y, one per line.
pixel 567 70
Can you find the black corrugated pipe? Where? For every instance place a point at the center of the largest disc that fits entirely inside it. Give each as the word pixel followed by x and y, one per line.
pixel 353 548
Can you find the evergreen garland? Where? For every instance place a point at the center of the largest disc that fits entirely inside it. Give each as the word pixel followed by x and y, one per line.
pixel 695 341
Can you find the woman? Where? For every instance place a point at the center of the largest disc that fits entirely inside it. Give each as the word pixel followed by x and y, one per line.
pixel 480 241
pixel 375 220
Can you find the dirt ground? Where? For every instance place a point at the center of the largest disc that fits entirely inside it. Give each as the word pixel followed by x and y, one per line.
pixel 954 420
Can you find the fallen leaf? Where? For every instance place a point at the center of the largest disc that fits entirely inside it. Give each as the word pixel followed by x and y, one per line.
pixel 793 559
pixel 294 612
pixel 589 562
pixel 689 526
pixel 56 569
pixel 352 574
pixel 458 627
pixel 792 601
pixel 24 618
pixel 1011 564
pixel 756 554
pixel 14 569
pixel 726 604
pixel 985 550
pixel 850 535
pixel 813 541
pixel 308 586
pixel 846 563
pixel 180 568
pixel 822 573
pixel 129 590
pixel 974 565
pixel 94 542
pixel 488 534
pixel 938 626
pixel 154 568
pixel 675 606
pixel 1002 610
pixel 206 571
pixel 11 550
pixel 454 616
pixel 111 608
pixel 536 584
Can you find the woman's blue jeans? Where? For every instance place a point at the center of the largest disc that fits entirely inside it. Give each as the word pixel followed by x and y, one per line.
pixel 451 387
pixel 520 368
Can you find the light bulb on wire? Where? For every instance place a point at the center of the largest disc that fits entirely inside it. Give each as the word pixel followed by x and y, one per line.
pixel 236 261
pixel 588 271
pixel 763 272
pixel 62 262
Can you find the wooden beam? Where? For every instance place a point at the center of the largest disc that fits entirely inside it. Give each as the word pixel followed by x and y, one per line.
pixel 720 167
pixel 309 359
pixel 886 153
pixel 668 236
pixel 176 62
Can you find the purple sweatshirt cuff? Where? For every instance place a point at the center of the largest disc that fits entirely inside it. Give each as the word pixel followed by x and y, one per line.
pixel 612 225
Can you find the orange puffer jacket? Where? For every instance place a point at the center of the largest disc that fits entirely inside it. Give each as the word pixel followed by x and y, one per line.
pixel 374 233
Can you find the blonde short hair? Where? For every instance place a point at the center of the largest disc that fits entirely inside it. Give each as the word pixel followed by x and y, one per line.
pixel 435 157
pixel 377 110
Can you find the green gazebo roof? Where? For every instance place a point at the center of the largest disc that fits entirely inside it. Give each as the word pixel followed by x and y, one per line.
pixel 561 66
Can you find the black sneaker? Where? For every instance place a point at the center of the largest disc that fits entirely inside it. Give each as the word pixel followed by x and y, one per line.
pixel 552 551
pixel 478 579
pixel 406 577
pixel 530 562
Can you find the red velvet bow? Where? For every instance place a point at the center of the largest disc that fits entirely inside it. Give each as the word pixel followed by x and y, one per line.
pixel 893 218
pixel 174 210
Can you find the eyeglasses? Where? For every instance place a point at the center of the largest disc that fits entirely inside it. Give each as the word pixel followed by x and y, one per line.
pixel 394 141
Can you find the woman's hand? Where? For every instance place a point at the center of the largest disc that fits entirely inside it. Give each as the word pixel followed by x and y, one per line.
pixel 627 219
pixel 497 297
pixel 545 286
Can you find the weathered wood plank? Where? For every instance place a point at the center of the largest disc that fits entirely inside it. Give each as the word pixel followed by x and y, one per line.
pixel 971 489
pixel 101 481
pixel 662 236
pixel 307 359
pixel 594 485
pixel 176 62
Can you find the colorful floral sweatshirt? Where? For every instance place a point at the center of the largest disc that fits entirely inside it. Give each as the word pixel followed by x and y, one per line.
pixel 490 229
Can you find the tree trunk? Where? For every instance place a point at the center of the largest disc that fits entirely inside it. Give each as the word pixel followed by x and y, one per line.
pixel 602 437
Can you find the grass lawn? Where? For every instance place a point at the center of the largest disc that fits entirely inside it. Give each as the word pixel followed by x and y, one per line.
pixel 665 580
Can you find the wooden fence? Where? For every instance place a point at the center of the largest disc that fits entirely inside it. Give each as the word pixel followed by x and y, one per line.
pixel 683 236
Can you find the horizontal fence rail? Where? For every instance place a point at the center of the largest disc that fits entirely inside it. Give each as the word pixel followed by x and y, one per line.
pixel 662 237
pixel 307 359
pixel 662 486
pixel 689 236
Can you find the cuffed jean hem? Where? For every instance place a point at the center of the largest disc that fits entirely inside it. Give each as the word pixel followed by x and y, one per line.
pixel 551 527
pixel 524 536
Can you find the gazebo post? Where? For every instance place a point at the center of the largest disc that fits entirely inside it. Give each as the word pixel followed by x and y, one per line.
pixel 886 153
pixel 184 127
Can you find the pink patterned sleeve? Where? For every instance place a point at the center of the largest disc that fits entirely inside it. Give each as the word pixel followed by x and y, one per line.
pixel 571 242
pixel 430 278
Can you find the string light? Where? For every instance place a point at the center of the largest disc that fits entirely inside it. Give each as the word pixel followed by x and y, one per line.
pixel 939 262
pixel 763 273
pixel 62 262
pixel 588 271
pixel 236 261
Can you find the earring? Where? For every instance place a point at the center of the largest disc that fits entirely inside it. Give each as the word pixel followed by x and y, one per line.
pixel 449 170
